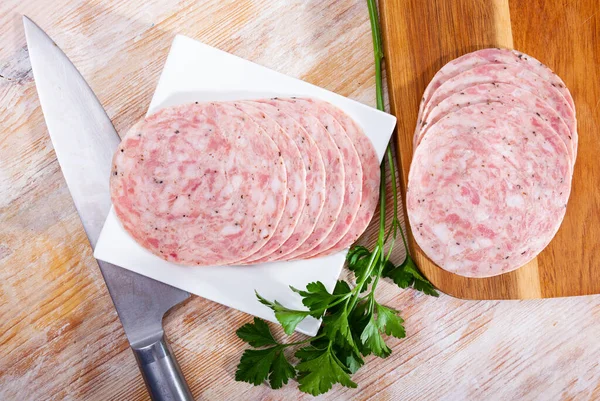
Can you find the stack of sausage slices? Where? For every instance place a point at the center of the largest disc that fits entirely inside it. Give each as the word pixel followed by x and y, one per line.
pixel 245 182
pixel 494 150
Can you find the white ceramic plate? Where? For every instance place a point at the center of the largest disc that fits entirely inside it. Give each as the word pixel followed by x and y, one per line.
pixel 195 72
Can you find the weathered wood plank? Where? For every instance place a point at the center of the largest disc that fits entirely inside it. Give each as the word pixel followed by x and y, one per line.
pixel 60 337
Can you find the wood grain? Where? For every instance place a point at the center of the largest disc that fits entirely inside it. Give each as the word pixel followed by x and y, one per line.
pixel 60 338
pixel 420 37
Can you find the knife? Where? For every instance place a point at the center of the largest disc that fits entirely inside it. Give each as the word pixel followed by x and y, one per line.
pixel 85 140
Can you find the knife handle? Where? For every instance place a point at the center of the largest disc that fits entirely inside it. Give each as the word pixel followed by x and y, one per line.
pixel 161 372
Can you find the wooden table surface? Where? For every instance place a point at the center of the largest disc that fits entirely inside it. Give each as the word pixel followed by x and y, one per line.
pixel 60 337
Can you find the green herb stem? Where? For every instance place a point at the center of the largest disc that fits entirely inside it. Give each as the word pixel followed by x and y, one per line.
pixel 359 285
pixel 379 57
pixel 307 340
pixel 378 51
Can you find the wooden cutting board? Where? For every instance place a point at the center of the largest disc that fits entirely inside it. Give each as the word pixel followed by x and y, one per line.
pixel 421 36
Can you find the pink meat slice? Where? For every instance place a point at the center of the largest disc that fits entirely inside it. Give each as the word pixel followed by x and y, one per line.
pixel 491 56
pixel 508 95
pixel 199 184
pixel 352 170
pixel 505 73
pixel 370 176
pixel 488 189
pixel 296 180
pixel 315 179
pixel 334 177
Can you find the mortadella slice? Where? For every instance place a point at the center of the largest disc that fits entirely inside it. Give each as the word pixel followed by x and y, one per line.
pixel 487 189
pixel 370 177
pixel 315 180
pixel 296 180
pixel 189 188
pixel 334 177
pixel 352 169
pixel 504 73
pixel 491 56
pixel 508 95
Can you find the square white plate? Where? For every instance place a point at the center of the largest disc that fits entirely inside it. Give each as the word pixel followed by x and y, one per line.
pixel 194 72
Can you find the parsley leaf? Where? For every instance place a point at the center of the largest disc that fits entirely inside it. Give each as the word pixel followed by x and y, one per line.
pixel 336 328
pixel 407 274
pixel 359 259
pixel 372 340
pixel 359 318
pixel 256 334
pixel 341 288
pixel 349 356
pixel 320 370
pixel 281 371
pixel 316 298
pixel 389 322
pixel 289 318
pixel 255 365
pixel 344 343
pixel 312 351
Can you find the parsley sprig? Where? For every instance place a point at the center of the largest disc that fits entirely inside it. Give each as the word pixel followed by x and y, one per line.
pixel 354 324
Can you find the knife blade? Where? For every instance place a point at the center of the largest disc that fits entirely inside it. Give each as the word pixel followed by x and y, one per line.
pixel 85 140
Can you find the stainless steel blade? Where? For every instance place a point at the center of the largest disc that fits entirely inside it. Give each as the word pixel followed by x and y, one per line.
pixel 84 140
